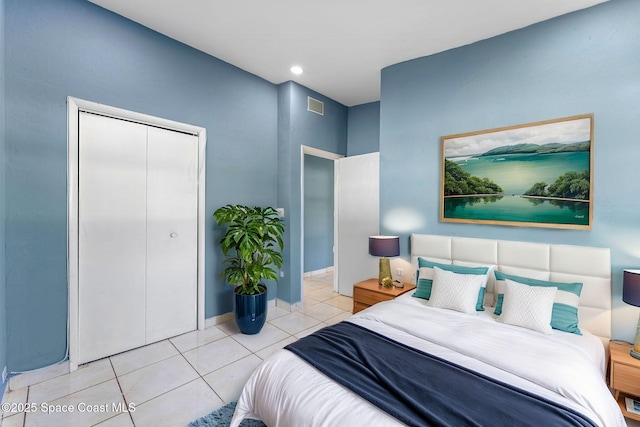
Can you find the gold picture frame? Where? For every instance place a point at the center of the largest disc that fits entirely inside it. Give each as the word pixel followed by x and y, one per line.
pixel 535 175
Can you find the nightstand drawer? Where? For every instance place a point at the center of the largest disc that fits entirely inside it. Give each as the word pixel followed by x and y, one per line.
pixel 365 296
pixel 369 292
pixel 626 379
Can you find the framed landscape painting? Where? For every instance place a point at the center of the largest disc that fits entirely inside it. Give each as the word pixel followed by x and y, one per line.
pixel 536 175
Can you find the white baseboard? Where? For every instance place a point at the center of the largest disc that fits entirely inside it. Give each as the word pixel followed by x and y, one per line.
pixel 288 306
pixel 318 272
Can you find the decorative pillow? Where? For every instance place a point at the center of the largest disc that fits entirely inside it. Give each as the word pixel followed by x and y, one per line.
pixel 455 291
pixel 528 306
pixel 565 306
pixel 424 278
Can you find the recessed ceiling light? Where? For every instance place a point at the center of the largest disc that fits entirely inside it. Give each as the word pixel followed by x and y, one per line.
pixel 296 69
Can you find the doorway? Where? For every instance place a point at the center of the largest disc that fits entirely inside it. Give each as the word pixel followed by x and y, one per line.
pixel 356 216
pixel 136 199
pixel 318 215
pixel 317 155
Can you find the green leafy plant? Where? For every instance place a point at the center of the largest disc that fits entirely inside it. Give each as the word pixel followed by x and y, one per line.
pixel 252 245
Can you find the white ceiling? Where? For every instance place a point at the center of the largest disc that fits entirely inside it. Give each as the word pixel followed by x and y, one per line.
pixel 341 44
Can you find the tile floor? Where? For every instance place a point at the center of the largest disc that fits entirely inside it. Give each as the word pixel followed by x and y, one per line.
pixel 174 381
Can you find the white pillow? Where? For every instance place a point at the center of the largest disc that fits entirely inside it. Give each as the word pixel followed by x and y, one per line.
pixel 528 306
pixel 455 291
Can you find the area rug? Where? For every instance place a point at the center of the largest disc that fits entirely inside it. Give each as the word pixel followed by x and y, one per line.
pixel 221 417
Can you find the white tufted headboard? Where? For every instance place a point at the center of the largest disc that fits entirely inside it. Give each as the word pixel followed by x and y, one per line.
pixel 556 263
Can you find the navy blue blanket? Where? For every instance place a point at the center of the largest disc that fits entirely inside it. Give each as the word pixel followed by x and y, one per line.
pixel 420 389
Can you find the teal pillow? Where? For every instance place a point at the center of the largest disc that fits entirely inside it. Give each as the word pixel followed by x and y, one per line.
pixel 565 306
pixel 423 284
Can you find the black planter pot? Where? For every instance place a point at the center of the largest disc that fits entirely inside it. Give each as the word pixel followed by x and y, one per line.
pixel 251 311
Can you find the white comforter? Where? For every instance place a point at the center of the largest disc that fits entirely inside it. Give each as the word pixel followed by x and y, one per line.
pixel 566 368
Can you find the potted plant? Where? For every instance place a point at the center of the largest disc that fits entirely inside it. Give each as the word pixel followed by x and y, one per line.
pixel 252 246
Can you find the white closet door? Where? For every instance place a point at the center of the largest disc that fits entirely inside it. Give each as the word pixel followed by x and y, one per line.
pixel 112 236
pixel 358 204
pixel 172 226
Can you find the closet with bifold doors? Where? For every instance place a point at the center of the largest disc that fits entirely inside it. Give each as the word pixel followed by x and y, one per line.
pixel 137 235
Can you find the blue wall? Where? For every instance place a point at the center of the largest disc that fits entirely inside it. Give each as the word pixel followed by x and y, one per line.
pixel 363 129
pixel 298 127
pixel 584 62
pixel 75 48
pixel 318 213
pixel 3 313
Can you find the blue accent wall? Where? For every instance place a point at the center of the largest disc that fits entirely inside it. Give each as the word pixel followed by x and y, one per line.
pixel 3 311
pixel 298 127
pixel 318 213
pixel 61 48
pixel 364 129
pixel 584 62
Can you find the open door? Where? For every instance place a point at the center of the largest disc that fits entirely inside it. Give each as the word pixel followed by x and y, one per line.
pixel 357 205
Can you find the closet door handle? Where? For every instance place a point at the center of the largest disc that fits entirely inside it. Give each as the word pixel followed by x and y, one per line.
pixel 173 234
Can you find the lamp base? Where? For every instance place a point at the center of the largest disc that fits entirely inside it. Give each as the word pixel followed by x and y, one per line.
pixel 385 270
pixel 635 350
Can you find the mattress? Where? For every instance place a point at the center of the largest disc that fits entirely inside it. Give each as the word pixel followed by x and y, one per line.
pixel 566 368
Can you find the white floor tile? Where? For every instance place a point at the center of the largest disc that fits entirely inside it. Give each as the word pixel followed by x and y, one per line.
pixel 151 381
pixel 86 376
pixel 227 382
pixel 338 318
pixel 143 356
pixel 229 327
pixel 310 330
pixel 215 355
pixel 321 294
pixel 178 407
pixel 275 312
pixel 322 311
pixel 37 376
pixel 16 420
pixel 342 302
pixel 90 406
pixel 295 322
pixel 268 335
pixel 308 301
pixel 195 339
pixel 309 286
pixel 14 397
pixel 122 420
pixel 268 351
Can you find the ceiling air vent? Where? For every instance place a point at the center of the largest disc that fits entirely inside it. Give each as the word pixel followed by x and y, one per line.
pixel 315 106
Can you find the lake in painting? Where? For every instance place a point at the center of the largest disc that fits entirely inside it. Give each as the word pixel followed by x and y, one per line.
pixel 516 173
pixel 514 168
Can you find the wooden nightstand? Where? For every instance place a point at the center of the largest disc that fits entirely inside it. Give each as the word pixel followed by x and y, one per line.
pixel 624 375
pixel 369 292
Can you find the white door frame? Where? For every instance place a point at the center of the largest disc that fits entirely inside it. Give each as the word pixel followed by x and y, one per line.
pixel 74 106
pixel 325 155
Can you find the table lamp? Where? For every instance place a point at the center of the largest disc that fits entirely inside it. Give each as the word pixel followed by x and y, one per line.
pixel 631 295
pixel 384 246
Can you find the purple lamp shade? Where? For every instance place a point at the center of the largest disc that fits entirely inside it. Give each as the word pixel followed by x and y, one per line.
pixel 631 287
pixel 384 246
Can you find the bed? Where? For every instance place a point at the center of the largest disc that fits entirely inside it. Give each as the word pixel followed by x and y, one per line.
pixel 563 369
